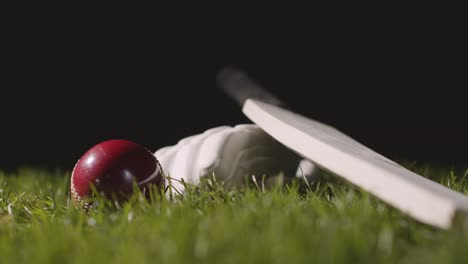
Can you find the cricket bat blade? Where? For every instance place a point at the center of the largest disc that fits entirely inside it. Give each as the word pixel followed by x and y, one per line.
pixel 424 200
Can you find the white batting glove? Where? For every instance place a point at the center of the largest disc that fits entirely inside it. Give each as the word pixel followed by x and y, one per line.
pixel 230 154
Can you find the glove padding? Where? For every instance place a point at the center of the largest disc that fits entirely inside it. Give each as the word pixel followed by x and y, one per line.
pixel 228 153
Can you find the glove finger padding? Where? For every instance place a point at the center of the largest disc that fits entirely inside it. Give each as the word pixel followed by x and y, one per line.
pixel 229 153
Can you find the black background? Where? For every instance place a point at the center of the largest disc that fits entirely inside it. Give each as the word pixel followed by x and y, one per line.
pixel 67 85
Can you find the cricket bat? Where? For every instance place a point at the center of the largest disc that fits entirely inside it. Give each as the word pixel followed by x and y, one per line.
pixel 330 149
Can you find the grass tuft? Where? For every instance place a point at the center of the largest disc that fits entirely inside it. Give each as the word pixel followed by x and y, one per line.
pixel 325 221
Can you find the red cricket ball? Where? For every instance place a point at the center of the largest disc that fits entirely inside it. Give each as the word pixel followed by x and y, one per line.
pixel 113 167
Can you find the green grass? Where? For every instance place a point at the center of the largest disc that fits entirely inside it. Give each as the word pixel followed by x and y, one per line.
pixel 326 222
